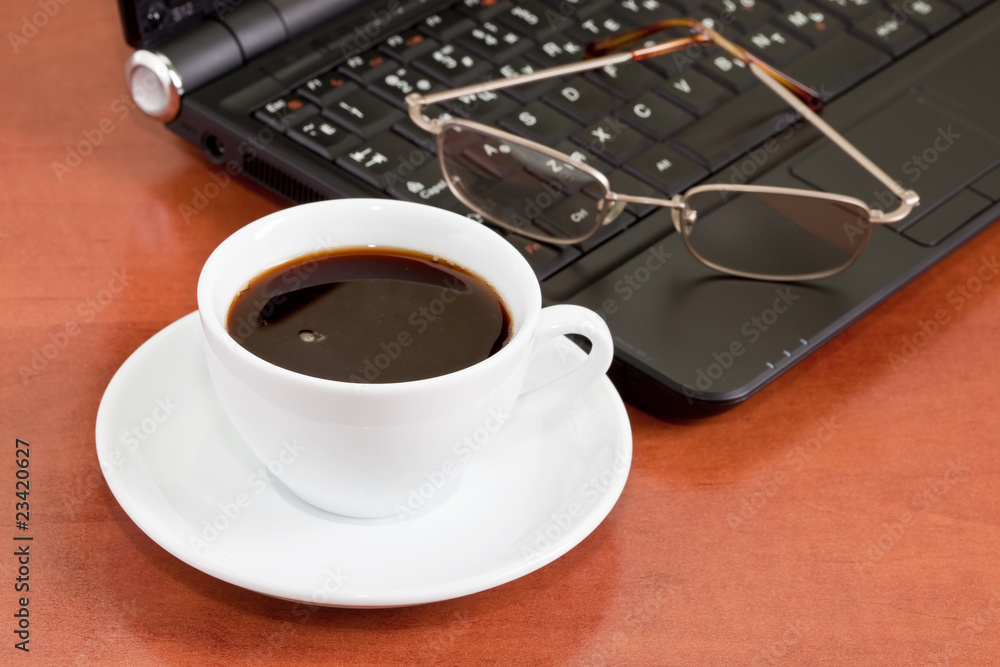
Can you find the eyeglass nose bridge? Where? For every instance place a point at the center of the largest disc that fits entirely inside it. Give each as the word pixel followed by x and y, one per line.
pixel 677 205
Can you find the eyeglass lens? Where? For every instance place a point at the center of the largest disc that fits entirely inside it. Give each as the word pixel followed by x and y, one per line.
pixel 776 235
pixel 766 235
pixel 521 188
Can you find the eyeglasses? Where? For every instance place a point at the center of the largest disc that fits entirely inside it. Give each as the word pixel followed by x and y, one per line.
pixel 751 231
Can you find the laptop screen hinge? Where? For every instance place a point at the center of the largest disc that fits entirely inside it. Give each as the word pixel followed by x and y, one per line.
pixel 238 31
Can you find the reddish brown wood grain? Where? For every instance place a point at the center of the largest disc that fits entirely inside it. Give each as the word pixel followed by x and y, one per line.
pixel 848 514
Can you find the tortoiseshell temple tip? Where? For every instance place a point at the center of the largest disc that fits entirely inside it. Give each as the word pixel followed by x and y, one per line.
pixel 701 36
pixel 623 40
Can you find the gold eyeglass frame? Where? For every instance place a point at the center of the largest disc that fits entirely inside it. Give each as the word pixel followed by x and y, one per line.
pixel 600 54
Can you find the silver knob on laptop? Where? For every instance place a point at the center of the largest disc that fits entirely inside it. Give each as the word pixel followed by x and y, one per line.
pixel 155 84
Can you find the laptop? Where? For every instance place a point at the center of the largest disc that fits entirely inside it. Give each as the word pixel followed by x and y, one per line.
pixel 305 97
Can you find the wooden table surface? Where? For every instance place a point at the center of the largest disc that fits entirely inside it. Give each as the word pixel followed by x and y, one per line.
pixel 848 514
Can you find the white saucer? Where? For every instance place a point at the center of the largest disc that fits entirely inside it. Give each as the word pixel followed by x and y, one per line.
pixel 180 471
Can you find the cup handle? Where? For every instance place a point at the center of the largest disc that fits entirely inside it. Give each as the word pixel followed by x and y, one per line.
pixel 557 321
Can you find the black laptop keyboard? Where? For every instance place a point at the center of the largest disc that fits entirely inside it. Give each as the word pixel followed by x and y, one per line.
pixel 655 127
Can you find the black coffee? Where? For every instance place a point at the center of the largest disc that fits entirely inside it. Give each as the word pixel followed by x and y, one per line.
pixel 370 315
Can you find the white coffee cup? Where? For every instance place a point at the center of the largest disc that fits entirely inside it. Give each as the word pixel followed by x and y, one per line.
pixel 361 449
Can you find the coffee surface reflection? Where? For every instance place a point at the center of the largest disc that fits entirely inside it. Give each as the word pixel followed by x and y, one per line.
pixel 370 315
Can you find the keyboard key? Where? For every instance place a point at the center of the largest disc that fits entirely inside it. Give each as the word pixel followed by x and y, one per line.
pixel 735 127
pixel 599 26
pixel 408 45
pixel 545 259
pixel 363 113
pixel 535 19
pixel 435 112
pixel 483 10
pixel 578 8
pixel 894 34
pixel 727 70
pixel 666 169
pixel 681 62
pixel 611 139
pixel 931 15
pixel 453 65
pixel 494 157
pixel 809 23
pixel 425 186
pixel 447 25
pixel 484 107
pixel 285 111
pixel 328 88
pixel 850 10
pixel 968 6
pixel 367 67
pixel 627 80
pixel 784 5
pixel 775 45
pixel 322 137
pixel 688 7
pixel 525 92
pixel 570 216
pixel 713 21
pixel 837 65
pixel 384 159
pixel 584 156
pixel 495 42
pixel 554 171
pixel 581 100
pixel 560 51
pixel 400 82
pixel 746 15
pixel 655 116
pixel 540 123
pixel 695 91
pixel 643 12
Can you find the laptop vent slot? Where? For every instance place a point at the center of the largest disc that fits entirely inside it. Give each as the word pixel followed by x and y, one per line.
pixel 271 177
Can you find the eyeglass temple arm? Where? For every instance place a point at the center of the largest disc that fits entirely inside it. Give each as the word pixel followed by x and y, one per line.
pixel 417 102
pixel 908 198
pixel 605 52
pixel 600 54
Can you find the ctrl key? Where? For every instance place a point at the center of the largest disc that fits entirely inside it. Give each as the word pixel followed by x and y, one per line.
pixel 545 259
pixel 322 137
